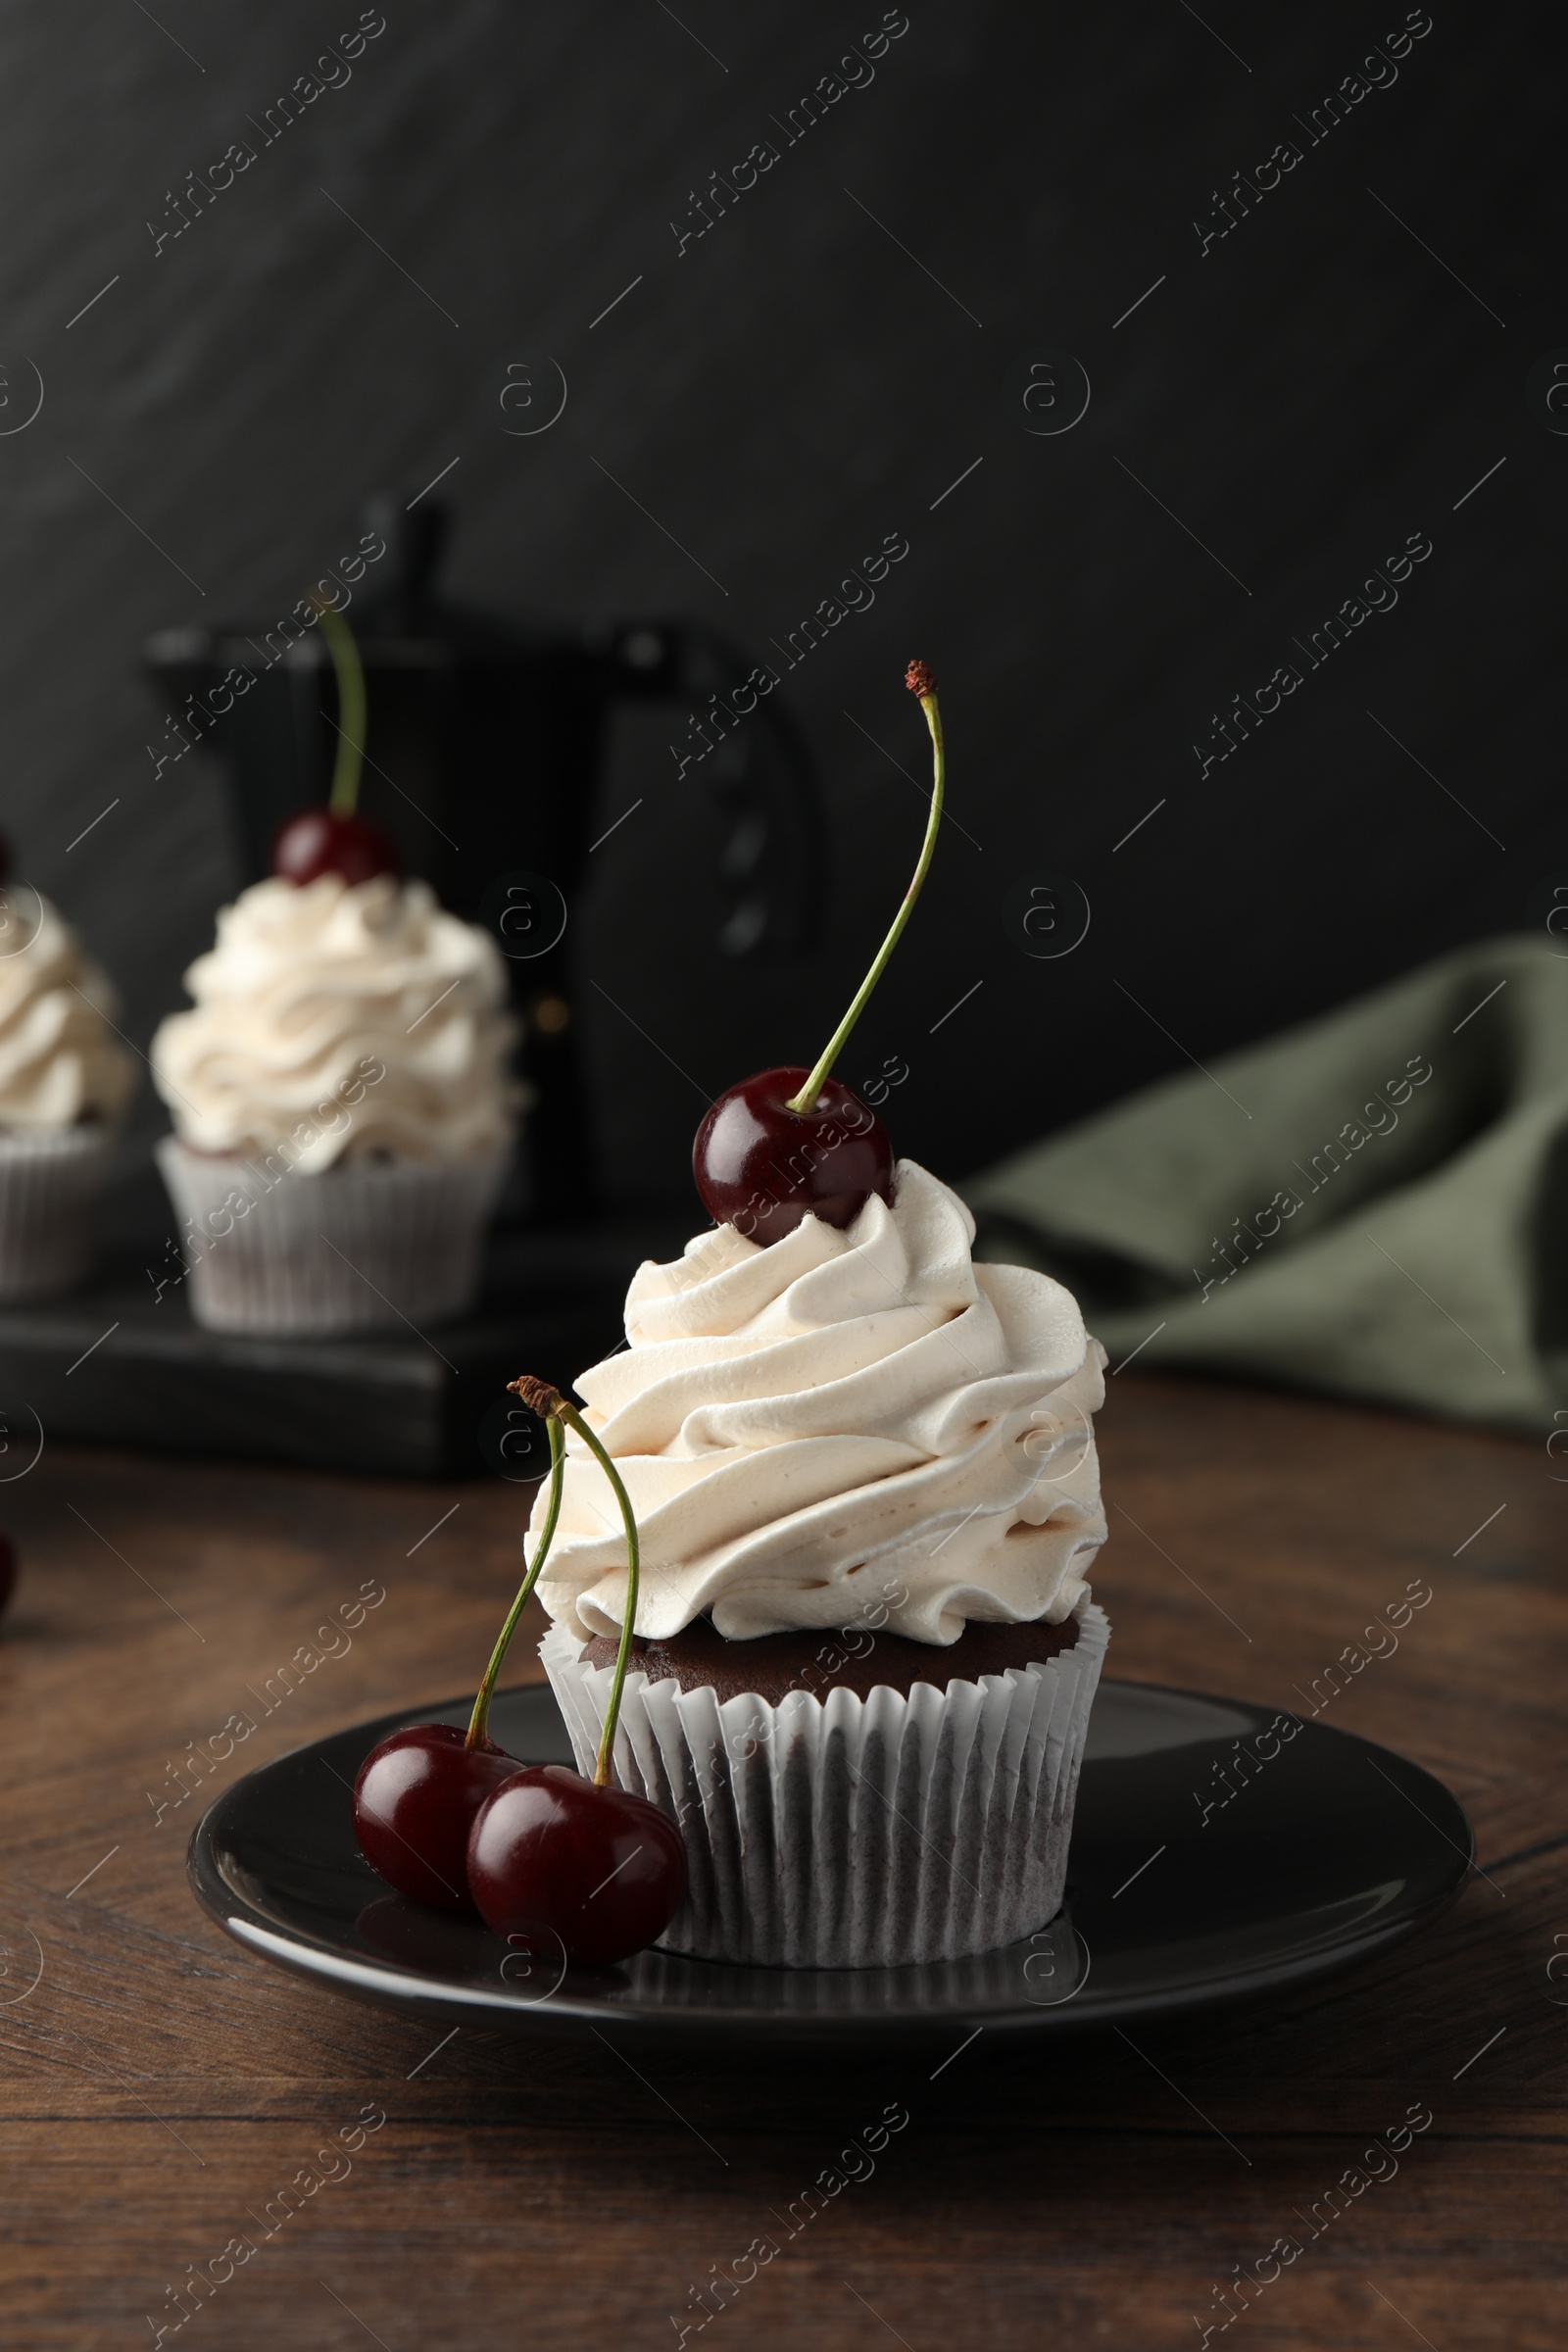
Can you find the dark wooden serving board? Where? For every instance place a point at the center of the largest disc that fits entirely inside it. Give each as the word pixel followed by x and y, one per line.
pixel 117 1365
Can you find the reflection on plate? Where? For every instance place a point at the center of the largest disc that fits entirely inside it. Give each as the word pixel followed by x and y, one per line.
pixel 1315 1849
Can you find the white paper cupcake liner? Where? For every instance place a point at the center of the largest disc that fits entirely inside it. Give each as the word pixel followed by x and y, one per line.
pixel 363 1247
pixel 854 1833
pixel 49 1190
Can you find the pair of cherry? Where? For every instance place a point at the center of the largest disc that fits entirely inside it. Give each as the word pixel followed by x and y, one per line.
pixel 572 1866
pixel 538 1851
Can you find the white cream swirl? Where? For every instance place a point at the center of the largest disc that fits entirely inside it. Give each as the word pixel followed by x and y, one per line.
pixel 60 1061
pixel 847 1427
pixel 309 992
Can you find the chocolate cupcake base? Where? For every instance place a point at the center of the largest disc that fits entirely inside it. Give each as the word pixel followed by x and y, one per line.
pixel 840 1827
pixel 700 1658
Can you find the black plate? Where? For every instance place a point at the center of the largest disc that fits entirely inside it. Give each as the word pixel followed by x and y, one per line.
pixel 1326 1849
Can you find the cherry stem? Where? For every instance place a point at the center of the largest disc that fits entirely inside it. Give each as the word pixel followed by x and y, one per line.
pixel 550 1403
pixel 806 1100
pixel 349 670
pixel 479 1720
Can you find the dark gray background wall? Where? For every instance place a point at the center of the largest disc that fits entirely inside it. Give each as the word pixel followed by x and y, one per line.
pixel 1278 416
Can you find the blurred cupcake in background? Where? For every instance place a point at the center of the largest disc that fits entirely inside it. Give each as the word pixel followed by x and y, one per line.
pixel 341 1090
pixel 65 1079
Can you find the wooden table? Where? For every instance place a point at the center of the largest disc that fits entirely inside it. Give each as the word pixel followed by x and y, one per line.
pixel 161 2086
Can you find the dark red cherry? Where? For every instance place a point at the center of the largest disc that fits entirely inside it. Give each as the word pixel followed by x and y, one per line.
pixel 414 1803
pixel 761 1167
pixel 553 1856
pixel 314 842
pixel 8 1570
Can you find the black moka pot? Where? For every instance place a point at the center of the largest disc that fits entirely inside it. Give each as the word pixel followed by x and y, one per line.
pixel 497 811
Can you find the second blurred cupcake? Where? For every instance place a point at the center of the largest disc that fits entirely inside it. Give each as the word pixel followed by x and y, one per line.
pixel 341 1093
pixel 65 1078
pixel 342 1105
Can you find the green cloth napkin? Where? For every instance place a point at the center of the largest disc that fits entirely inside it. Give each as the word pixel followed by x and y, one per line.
pixel 1374 1204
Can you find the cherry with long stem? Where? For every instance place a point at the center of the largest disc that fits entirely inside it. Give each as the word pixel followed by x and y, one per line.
pixel 336 839
pixel 789 1144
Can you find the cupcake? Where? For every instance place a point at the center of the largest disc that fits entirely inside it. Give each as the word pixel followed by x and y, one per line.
pixel 835 1640
pixel 866 1484
pixel 863 1474
pixel 65 1079
pixel 342 1106
pixel 341 1093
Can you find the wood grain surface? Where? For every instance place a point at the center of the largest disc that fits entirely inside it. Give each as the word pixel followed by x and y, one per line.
pixel 160 2087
